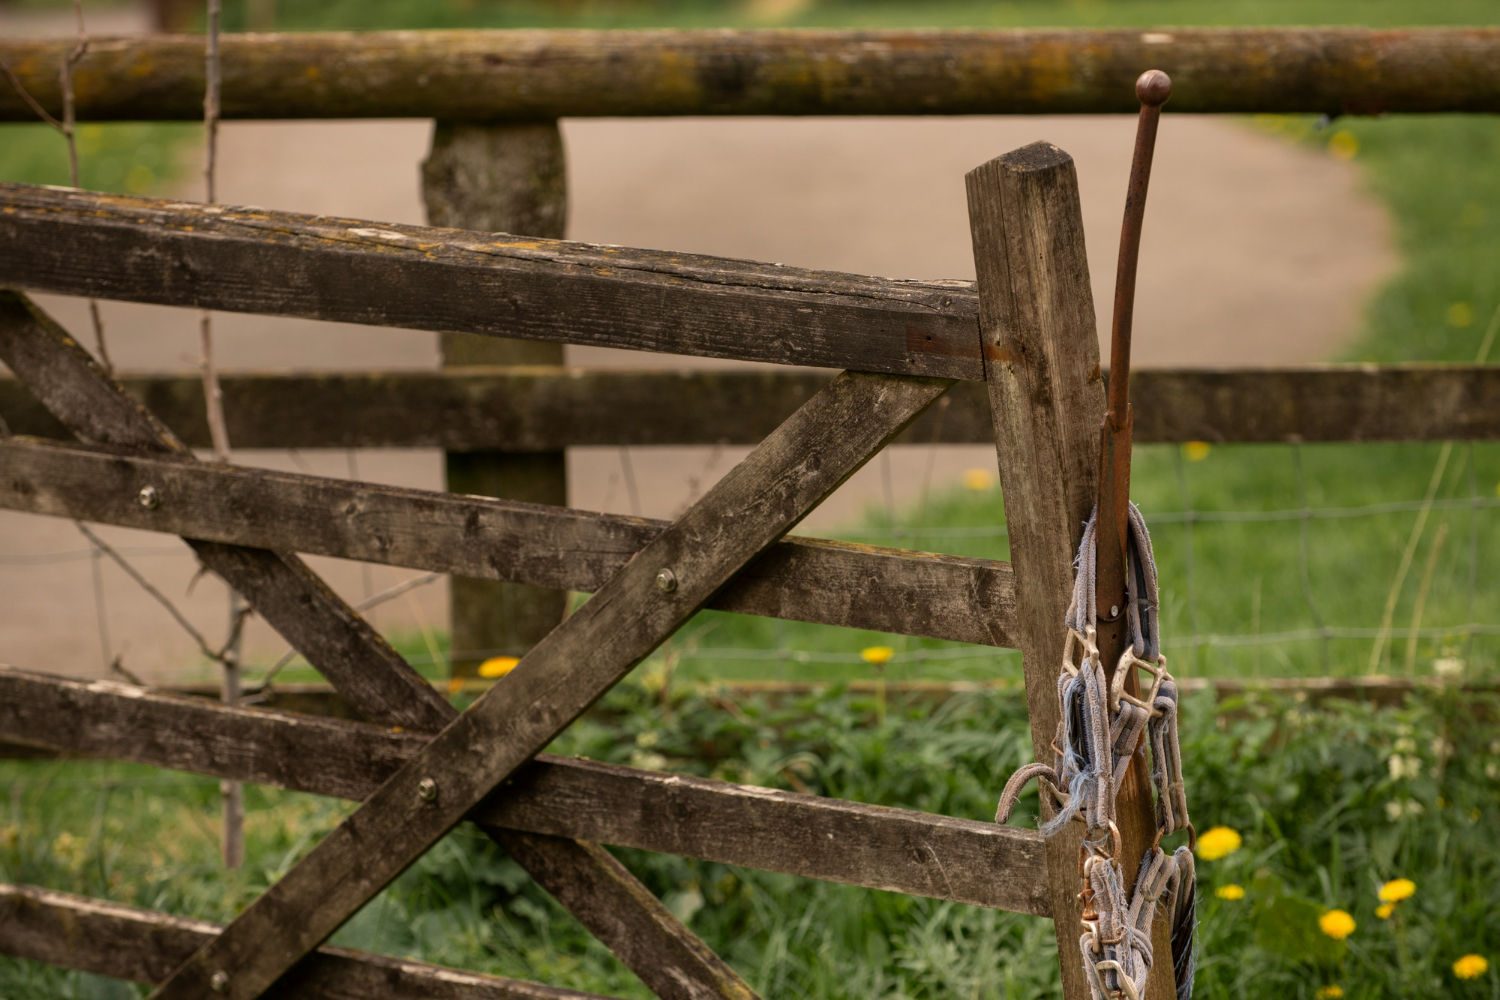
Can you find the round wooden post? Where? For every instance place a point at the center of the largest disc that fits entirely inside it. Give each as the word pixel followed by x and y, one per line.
pixel 499 178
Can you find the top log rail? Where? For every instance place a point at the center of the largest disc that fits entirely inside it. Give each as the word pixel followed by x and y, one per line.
pixel 545 75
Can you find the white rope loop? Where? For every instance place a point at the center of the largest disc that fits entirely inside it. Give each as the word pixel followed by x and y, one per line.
pixel 1100 731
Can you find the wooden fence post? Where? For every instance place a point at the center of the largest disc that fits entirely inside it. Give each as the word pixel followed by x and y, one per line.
pixel 1040 343
pixel 499 178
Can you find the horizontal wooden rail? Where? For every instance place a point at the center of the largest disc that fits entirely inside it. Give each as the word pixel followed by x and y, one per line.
pixel 548 409
pixel 532 75
pixel 805 579
pixel 831 839
pixel 107 939
pixel 283 264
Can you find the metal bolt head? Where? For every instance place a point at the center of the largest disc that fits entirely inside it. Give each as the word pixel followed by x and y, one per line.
pixel 1114 610
pixel 219 981
pixel 148 497
pixel 427 790
pixel 666 580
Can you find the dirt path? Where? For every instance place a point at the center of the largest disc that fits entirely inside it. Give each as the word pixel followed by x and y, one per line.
pixel 1254 252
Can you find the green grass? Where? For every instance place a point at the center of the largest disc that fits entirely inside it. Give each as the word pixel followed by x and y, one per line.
pixel 1311 792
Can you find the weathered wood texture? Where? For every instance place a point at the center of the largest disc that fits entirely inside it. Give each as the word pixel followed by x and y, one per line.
pixel 805 579
pixel 511 179
pixel 544 409
pixel 804 460
pixel 108 939
pixel 277 263
pixel 360 663
pixel 875 846
pixel 290 597
pixel 1042 358
pixel 545 75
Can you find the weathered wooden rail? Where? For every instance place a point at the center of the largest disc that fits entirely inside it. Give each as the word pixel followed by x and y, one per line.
pixel 540 409
pixel 490 76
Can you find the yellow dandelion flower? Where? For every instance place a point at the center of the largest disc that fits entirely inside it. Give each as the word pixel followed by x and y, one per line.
pixel 1460 314
pixel 978 479
pixel 1397 889
pixel 1195 451
pixel 1471 967
pixel 1329 992
pixel 1337 924
pixel 1220 842
pixel 498 666
pixel 1384 910
pixel 1230 892
pixel 1343 145
pixel 876 654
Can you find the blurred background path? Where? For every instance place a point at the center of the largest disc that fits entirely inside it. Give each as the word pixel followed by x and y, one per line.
pixel 1256 251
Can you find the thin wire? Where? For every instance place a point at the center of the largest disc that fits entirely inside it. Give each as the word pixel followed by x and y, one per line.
pixel 1473 543
pixel 1187 541
pixel 1302 553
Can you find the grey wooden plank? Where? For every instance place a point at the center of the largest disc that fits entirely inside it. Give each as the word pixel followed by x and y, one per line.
pixel 1047 400
pixel 544 75
pixel 544 409
pixel 659 589
pixel 107 939
pixel 806 579
pixel 280 263
pixel 877 847
pixel 289 596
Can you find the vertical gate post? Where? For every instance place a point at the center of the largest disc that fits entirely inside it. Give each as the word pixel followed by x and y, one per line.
pixel 512 179
pixel 1039 339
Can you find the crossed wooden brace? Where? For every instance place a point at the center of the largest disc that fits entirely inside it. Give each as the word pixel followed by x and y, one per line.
pixel 799 464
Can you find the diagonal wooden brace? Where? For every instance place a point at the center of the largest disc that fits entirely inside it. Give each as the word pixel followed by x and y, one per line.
pixel 600 892
pixel 292 598
pixel 798 465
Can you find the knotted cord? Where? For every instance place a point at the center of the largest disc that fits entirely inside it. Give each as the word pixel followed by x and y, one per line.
pixel 1101 729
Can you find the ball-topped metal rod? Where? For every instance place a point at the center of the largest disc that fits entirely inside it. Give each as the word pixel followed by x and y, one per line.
pixel 1153 87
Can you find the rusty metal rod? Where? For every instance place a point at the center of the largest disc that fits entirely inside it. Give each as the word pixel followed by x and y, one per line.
pixel 1153 88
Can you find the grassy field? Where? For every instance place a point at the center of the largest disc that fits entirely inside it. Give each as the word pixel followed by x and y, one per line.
pixel 1331 803
pixel 1325 817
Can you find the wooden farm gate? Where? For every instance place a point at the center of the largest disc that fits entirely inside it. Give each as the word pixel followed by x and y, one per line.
pixel 1019 345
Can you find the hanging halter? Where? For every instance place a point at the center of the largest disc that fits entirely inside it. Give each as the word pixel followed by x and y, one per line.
pixel 1101 728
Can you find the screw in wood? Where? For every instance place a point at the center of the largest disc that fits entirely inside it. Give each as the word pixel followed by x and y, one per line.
pixel 219 981
pixel 427 790
pixel 666 580
pixel 148 497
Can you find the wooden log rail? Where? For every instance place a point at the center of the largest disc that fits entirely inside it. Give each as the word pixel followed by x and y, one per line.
pixel 285 264
pixel 545 75
pixel 873 846
pixel 804 579
pixel 548 409
pixel 143 946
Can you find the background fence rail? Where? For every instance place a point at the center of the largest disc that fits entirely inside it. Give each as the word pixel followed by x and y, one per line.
pixel 539 75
